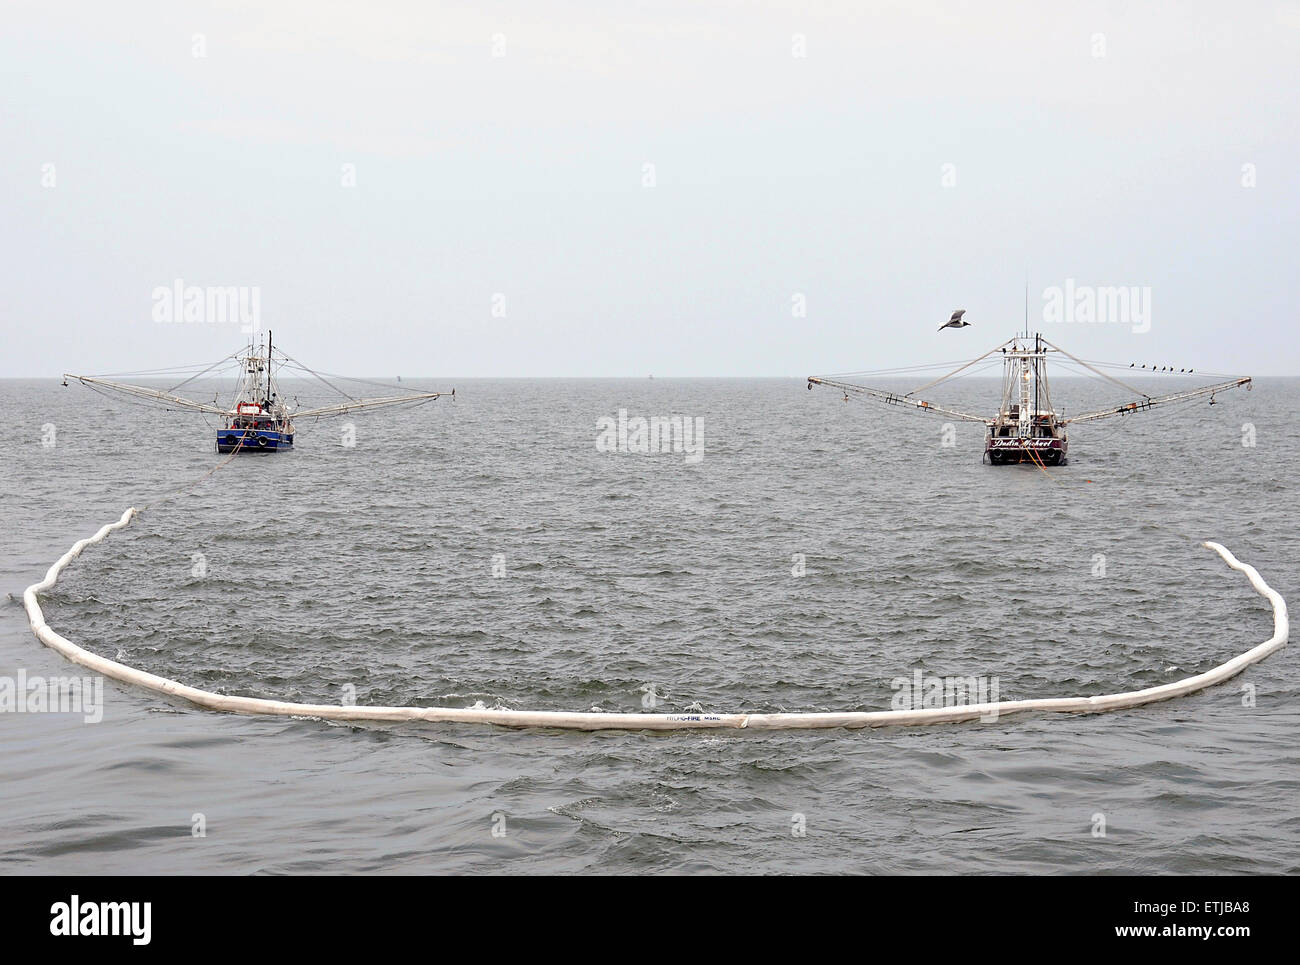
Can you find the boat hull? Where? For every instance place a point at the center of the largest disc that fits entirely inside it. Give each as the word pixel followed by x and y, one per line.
pixel 253 440
pixel 1002 450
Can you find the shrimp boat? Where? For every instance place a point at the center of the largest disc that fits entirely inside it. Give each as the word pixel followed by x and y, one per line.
pixel 1027 426
pixel 261 421
pixel 259 418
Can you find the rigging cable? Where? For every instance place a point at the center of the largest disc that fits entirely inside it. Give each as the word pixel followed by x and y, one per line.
pixel 1108 378
pixel 228 358
pixel 317 375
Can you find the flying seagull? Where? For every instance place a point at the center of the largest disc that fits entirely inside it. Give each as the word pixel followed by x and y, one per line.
pixel 955 321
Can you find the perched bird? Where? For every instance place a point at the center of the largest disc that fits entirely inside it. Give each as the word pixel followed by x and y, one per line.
pixel 955 321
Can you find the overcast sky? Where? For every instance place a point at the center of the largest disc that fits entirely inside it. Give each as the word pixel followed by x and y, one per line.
pixel 888 162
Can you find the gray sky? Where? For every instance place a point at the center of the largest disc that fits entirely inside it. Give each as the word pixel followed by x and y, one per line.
pixel 501 149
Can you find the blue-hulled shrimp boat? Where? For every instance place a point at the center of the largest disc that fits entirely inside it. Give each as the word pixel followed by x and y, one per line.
pixel 259 418
pixel 261 421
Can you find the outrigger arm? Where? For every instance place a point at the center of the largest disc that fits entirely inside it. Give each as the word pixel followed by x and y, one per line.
pixel 154 394
pixel 893 398
pixel 342 408
pixel 1149 402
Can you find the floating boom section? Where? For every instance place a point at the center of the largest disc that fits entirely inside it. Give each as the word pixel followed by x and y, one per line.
pixel 590 721
pixel 893 398
pixel 1150 402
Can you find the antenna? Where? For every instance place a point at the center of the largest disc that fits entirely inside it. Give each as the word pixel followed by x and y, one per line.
pixel 1026 304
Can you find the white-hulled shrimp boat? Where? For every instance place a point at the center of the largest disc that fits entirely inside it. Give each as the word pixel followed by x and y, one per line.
pixel 1027 427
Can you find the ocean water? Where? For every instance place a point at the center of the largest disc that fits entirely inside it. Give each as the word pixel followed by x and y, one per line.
pixel 368 571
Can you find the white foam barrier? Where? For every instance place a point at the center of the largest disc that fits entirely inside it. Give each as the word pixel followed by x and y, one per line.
pixel 608 721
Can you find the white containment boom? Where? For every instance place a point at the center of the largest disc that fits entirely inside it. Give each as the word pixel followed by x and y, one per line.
pixel 612 721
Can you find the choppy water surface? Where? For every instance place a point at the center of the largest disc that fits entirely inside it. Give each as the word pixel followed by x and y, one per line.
pixel 369 570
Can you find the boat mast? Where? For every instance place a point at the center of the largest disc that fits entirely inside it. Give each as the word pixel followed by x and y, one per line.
pixel 1024 421
pixel 1039 363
